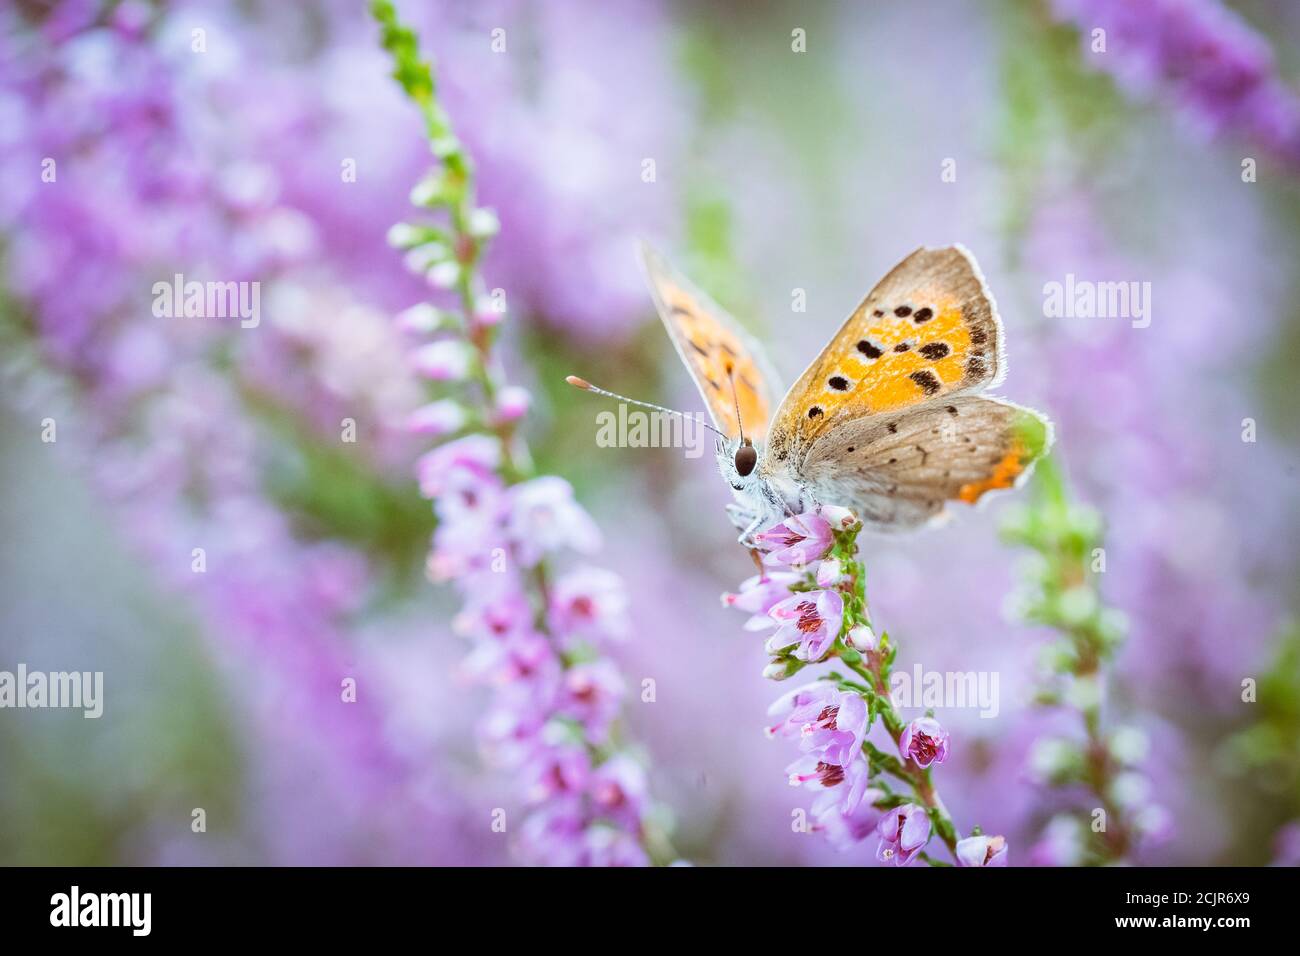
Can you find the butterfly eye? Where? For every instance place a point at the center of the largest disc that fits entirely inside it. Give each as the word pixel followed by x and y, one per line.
pixel 746 459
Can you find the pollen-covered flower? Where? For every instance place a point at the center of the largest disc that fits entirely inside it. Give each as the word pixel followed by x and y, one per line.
pixel 797 541
pixel 982 851
pixel 925 741
pixel 809 621
pixel 904 832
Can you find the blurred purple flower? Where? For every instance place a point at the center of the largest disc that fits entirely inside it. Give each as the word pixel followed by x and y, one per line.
pixel 1204 56
pixel 544 518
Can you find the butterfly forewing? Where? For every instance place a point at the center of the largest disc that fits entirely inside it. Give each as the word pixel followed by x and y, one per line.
pixel 716 351
pixel 929 329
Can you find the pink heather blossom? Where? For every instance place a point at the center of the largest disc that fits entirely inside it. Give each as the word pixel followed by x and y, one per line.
pixel 494 615
pixel 619 789
pixel 797 707
pixel 982 851
pixel 845 829
pixel 925 741
pixel 609 846
pixel 544 518
pixel 846 811
pixel 797 541
pixel 513 403
pixel 589 603
pixel 837 732
pixel 487 316
pixel 811 769
pixel 841 790
pixel 520 659
pixel 758 594
pixel 904 832
pixel 478 454
pixel 829 573
pixel 437 419
pixel 557 771
pixel 591 694
pixel 445 361
pixel 809 619
pixel 422 319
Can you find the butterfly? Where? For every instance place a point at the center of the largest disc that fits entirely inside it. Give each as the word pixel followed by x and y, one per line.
pixel 888 421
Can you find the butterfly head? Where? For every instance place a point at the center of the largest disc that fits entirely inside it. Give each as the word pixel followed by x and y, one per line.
pixel 738 462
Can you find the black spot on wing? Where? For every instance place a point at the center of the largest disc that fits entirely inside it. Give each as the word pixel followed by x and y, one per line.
pixel 869 350
pixel 927 380
pixel 934 350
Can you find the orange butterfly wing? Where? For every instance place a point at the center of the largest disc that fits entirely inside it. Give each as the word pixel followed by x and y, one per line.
pixel 928 329
pixel 715 350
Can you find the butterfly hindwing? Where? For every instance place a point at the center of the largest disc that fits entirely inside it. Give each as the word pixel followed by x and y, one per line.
pixel 928 329
pixel 897 470
pixel 715 350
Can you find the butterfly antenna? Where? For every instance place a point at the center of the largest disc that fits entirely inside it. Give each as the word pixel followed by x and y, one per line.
pixel 586 386
pixel 731 377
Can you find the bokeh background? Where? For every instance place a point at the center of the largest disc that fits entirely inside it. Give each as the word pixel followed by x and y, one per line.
pixel 774 171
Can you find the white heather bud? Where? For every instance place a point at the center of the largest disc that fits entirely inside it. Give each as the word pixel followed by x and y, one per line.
pixel 841 519
pixel 862 638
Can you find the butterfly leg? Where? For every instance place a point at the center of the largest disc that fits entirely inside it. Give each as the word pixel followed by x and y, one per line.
pixel 747 536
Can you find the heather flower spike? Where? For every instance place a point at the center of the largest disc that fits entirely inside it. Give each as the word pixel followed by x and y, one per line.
pixel 1062 593
pixel 503 533
pixel 817 606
